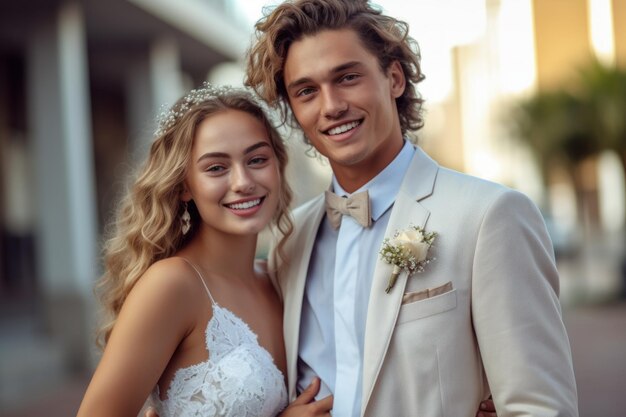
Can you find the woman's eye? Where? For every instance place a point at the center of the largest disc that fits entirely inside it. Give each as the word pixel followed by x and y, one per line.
pixel 258 160
pixel 215 168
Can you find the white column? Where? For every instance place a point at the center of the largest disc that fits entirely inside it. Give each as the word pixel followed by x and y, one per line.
pixel 165 72
pixel 141 109
pixel 152 84
pixel 78 145
pixel 60 120
pixel 59 117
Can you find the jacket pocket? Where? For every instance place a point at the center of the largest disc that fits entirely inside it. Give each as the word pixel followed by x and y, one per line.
pixel 427 306
pixel 411 297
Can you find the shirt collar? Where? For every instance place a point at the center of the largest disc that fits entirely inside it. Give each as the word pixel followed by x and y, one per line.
pixel 384 187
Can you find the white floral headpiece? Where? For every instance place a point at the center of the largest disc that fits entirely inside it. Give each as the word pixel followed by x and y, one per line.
pixel 169 115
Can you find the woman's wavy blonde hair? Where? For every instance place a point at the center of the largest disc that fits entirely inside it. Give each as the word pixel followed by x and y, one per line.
pixel 147 226
pixel 385 37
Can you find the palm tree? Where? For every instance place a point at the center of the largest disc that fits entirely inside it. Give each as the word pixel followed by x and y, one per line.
pixel 603 90
pixel 555 126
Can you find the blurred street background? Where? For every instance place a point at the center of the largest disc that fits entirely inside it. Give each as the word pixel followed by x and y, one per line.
pixel 529 93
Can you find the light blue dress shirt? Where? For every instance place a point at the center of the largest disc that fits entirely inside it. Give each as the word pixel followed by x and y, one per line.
pixel 339 278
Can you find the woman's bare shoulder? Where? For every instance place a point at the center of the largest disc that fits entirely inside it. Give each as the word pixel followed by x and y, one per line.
pixel 171 281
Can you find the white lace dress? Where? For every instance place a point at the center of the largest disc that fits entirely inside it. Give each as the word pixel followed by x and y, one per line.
pixel 239 379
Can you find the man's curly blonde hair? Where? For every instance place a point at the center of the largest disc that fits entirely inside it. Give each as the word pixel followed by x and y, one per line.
pixel 385 37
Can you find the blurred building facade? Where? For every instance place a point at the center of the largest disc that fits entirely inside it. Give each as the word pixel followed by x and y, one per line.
pixel 81 81
pixel 528 47
pixel 80 84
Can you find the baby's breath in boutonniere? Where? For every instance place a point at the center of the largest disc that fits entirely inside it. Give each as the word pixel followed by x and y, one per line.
pixel 407 251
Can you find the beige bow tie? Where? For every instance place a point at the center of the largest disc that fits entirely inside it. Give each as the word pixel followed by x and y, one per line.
pixel 356 206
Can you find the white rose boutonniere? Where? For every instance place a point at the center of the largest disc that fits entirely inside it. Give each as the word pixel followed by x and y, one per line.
pixel 407 251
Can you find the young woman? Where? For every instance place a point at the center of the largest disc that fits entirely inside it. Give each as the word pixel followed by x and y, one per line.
pixel 194 324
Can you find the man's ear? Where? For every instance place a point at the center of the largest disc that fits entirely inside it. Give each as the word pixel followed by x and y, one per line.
pixel 395 73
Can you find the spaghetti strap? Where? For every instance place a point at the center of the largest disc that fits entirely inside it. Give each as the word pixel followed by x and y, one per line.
pixel 201 278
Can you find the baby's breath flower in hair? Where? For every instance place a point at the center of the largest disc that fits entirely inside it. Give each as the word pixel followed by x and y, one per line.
pixel 168 116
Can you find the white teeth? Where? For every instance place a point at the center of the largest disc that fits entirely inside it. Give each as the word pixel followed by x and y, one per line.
pixel 343 128
pixel 246 205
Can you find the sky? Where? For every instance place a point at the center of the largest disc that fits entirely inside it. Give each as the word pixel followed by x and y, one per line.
pixel 463 18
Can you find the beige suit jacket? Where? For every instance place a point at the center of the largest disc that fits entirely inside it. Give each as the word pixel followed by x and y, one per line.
pixel 484 317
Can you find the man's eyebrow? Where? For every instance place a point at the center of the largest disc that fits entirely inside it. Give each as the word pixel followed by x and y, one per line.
pixel 346 66
pixel 246 151
pixel 338 68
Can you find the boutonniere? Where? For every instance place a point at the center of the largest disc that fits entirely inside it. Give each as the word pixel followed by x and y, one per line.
pixel 407 251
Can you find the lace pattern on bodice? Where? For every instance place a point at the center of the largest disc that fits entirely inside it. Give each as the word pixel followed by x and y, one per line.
pixel 239 379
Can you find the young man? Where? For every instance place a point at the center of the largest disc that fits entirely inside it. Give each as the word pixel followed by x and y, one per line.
pixel 481 317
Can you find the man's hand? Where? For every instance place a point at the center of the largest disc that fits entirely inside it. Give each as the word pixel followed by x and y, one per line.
pixel 486 409
pixel 306 406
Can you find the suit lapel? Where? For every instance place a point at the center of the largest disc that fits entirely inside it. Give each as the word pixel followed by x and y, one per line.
pixel 294 284
pixel 383 308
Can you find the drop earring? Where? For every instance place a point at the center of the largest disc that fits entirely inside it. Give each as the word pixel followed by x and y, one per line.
pixel 185 221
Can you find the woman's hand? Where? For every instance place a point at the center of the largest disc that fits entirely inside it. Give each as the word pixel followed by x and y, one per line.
pixel 151 412
pixel 486 409
pixel 306 406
